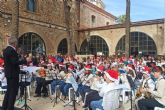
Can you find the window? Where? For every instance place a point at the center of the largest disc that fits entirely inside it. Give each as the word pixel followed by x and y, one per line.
pixel 139 42
pixel 94 45
pixel 93 19
pixel 31 5
pixel 32 43
pixel 63 47
pixel 107 23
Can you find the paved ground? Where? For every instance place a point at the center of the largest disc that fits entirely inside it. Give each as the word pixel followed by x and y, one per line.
pixel 45 104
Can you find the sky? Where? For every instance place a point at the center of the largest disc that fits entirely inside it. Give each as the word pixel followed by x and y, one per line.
pixel 140 9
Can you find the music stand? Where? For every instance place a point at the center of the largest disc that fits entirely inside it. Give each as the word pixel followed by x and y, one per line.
pixel 27 107
pixel 73 100
pixel 56 94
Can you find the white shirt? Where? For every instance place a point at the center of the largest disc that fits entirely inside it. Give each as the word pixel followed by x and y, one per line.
pixel 12 47
pixel 3 79
pixel 107 95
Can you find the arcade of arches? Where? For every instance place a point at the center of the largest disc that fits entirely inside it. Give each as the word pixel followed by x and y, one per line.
pixel 139 42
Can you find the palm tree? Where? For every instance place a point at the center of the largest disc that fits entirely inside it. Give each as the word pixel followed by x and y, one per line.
pixel 15 18
pixel 121 19
pixel 127 29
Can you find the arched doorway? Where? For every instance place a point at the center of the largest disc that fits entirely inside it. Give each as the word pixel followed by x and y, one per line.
pixel 94 45
pixel 63 47
pixel 32 43
pixel 139 43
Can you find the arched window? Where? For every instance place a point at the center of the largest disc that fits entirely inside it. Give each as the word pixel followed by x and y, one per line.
pixel 63 47
pixel 139 42
pixel 94 45
pixel 32 43
pixel 31 5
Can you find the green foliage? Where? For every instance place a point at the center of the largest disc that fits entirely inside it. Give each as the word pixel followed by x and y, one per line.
pixel 121 19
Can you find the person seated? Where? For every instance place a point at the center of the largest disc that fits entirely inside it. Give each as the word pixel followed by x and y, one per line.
pixel 110 77
pixel 60 73
pixel 70 81
pixel 40 80
pixel 158 95
pixel 147 83
pixel 96 84
pixel 86 78
pixel 3 81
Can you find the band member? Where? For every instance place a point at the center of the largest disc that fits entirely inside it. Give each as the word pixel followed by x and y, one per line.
pixel 12 70
pixel 146 83
pixel 110 77
pixel 158 99
pixel 41 87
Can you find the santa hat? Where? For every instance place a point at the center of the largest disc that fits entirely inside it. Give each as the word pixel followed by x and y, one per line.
pixel 87 67
pixel 111 75
pixel 49 65
pixel 61 64
pixel 1 61
pixel 52 59
pixel 71 67
pixel 130 67
pixel 100 68
pixel 146 70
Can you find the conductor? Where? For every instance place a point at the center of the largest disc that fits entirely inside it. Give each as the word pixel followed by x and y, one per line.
pixel 12 70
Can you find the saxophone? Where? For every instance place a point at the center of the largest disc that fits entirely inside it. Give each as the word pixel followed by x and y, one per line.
pixel 147 95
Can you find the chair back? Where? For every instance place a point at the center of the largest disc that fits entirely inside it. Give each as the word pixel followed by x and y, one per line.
pixel 111 100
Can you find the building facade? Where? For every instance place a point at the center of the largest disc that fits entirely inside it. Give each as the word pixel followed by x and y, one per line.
pixel 74 26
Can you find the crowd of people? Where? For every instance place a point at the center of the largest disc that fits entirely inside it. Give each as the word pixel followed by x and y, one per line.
pixel 96 80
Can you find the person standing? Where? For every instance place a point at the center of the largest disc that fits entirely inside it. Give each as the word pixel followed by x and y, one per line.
pixel 12 70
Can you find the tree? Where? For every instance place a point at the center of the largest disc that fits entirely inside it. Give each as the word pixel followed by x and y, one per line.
pixel 121 19
pixel 127 29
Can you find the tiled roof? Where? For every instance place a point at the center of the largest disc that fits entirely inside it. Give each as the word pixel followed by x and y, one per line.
pixel 139 23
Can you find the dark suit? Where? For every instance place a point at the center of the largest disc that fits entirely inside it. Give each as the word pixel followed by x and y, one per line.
pixel 12 70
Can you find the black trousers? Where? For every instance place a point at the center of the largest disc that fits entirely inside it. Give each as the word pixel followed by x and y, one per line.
pixel 41 86
pixel 93 95
pixel 148 104
pixel 10 96
pixel 22 87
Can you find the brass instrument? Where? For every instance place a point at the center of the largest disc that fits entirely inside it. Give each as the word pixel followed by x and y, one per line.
pixel 147 95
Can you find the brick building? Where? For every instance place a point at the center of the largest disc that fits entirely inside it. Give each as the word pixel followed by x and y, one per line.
pixel 72 26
